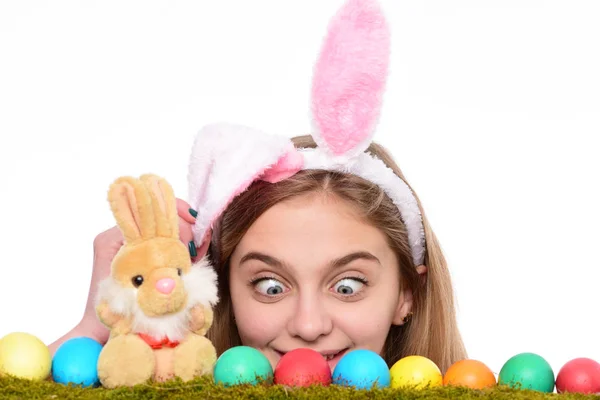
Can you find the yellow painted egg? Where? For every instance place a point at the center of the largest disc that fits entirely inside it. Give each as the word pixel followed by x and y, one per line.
pixel 415 372
pixel 23 355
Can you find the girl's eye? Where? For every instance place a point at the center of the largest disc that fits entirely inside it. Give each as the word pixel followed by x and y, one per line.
pixel 348 286
pixel 270 287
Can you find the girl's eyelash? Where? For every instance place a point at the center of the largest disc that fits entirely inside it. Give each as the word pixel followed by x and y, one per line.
pixel 361 279
pixel 255 280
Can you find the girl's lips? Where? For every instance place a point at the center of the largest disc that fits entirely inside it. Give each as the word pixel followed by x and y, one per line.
pixel 335 358
pixel 331 356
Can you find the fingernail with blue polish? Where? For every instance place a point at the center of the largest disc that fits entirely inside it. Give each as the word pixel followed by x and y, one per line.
pixel 192 248
pixel 193 212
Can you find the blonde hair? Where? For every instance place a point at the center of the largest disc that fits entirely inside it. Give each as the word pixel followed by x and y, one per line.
pixel 431 332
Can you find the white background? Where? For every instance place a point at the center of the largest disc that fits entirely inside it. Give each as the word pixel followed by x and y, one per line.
pixel 492 112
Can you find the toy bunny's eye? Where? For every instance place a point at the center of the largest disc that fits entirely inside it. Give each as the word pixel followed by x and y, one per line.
pixel 137 280
pixel 179 271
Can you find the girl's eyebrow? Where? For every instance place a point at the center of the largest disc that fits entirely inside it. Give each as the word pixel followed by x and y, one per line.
pixel 255 255
pixel 336 263
pixel 359 255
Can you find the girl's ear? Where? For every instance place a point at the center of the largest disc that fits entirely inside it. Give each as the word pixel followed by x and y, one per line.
pixel 405 300
pixel 405 303
pixel 203 249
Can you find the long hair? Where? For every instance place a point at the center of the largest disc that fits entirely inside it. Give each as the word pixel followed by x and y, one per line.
pixel 431 332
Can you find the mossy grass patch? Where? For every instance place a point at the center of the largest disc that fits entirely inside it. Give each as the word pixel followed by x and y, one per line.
pixel 205 388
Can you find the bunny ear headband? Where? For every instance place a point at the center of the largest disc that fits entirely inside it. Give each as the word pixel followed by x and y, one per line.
pixel 348 84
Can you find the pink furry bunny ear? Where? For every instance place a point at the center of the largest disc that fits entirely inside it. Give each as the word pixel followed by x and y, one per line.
pixel 225 160
pixel 349 79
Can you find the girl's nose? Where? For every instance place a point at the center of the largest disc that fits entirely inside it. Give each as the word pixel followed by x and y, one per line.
pixel 310 320
pixel 165 285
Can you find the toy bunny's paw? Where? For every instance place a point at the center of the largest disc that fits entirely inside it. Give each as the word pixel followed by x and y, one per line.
pixel 196 318
pixel 106 316
pixel 194 357
pixel 125 360
pixel 202 319
pixel 118 324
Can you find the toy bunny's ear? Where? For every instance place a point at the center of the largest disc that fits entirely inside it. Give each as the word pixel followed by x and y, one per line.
pixel 132 207
pixel 349 79
pixel 164 205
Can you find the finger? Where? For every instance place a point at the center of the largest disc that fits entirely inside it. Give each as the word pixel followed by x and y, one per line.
pixel 184 210
pixel 185 231
pixel 186 235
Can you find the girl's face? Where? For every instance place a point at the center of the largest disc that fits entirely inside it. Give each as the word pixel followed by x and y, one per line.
pixel 309 273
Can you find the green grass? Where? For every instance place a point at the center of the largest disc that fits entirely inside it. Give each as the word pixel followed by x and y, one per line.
pixel 204 388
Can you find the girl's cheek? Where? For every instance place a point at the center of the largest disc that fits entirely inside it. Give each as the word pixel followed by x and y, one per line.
pixel 352 315
pixel 362 317
pixel 258 325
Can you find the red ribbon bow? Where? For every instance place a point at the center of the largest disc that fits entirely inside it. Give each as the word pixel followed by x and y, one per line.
pixel 158 344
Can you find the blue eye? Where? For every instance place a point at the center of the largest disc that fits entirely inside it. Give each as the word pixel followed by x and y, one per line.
pixel 270 287
pixel 348 286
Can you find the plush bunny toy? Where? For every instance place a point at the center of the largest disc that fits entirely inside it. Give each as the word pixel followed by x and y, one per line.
pixel 157 304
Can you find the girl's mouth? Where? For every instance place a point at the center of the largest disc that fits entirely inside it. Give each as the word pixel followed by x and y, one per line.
pixel 331 356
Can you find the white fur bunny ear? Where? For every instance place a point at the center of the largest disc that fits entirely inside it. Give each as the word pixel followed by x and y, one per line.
pixel 349 79
pixel 225 160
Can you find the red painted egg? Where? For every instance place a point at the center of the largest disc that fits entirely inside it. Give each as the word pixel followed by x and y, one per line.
pixel 302 367
pixel 580 375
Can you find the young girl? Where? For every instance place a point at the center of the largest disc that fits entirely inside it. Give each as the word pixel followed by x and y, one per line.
pixel 320 242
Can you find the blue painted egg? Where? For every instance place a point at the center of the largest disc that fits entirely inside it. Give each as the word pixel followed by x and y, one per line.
pixel 76 362
pixel 362 369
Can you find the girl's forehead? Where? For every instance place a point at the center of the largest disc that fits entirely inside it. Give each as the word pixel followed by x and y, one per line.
pixel 312 230
pixel 316 215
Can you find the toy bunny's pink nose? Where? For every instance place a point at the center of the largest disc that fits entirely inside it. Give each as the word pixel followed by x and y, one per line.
pixel 165 285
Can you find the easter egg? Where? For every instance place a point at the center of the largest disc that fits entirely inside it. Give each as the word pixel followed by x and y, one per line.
pixel 415 372
pixel 242 365
pixel 469 373
pixel 361 369
pixel 580 375
pixel 76 362
pixel 23 355
pixel 527 371
pixel 302 367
